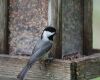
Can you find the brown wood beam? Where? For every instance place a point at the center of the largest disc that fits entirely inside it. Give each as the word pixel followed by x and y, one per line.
pixel 95 51
pixel 84 68
pixel 55 20
pixel 87 29
pixel 10 66
pixel 87 67
pixel 3 26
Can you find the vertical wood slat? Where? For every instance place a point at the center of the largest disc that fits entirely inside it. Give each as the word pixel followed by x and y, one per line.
pixel 58 41
pixel 3 24
pixel 87 29
pixel 72 27
pixel 54 19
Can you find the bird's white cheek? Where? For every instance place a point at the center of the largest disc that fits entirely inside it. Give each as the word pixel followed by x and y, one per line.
pixel 47 33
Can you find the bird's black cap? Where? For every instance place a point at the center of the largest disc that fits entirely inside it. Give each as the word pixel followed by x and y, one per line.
pixel 50 28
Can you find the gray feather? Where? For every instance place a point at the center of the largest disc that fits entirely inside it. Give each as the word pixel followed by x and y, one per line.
pixel 41 44
pixel 41 48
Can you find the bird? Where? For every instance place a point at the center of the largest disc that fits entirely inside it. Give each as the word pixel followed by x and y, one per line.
pixel 40 51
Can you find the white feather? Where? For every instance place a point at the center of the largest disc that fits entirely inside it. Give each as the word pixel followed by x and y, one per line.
pixel 46 34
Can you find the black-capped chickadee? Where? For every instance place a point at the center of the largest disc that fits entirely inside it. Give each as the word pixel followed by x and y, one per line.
pixel 40 50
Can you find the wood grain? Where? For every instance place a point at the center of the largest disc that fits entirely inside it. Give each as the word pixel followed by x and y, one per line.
pixel 54 19
pixel 72 27
pixel 84 68
pixel 3 23
pixel 10 66
pixel 87 67
pixel 87 29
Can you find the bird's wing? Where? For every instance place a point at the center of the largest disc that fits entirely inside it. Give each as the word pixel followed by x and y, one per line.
pixel 37 46
pixel 40 50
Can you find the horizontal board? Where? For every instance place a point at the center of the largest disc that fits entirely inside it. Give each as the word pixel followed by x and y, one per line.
pixel 84 68
pixel 88 67
pixel 10 66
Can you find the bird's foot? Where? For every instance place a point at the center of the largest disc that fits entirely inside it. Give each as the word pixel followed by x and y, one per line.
pixel 49 60
pixel 46 62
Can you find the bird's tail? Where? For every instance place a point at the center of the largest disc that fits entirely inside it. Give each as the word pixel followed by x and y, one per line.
pixel 24 71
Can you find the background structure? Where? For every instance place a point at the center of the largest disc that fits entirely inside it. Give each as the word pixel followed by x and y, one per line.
pixel 72 27
pixel 27 20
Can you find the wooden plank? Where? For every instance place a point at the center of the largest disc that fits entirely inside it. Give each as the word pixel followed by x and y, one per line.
pixel 87 29
pixel 87 67
pixel 95 50
pixel 54 19
pixel 72 27
pixel 10 66
pixel 3 23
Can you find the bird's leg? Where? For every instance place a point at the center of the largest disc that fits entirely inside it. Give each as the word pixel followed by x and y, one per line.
pixel 47 59
pixel 50 58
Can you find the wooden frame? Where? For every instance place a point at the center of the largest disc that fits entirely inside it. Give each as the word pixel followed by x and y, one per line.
pixel 95 50
pixel 87 29
pixel 87 26
pixel 10 66
pixel 54 19
pixel 81 69
pixel 3 26
pixel 57 22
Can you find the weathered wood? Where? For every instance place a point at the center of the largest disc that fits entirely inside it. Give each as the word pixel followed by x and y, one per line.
pixel 3 24
pixel 10 66
pixel 95 51
pixel 58 41
pixel 72 27
pixel 87 29
pixel 54 19
pixel 87 67
pixel 80 69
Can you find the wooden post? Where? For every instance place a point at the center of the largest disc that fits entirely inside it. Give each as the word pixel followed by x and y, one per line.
pixel 72 27
pixel 54 19
pixel 3 25
pixel 87 29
